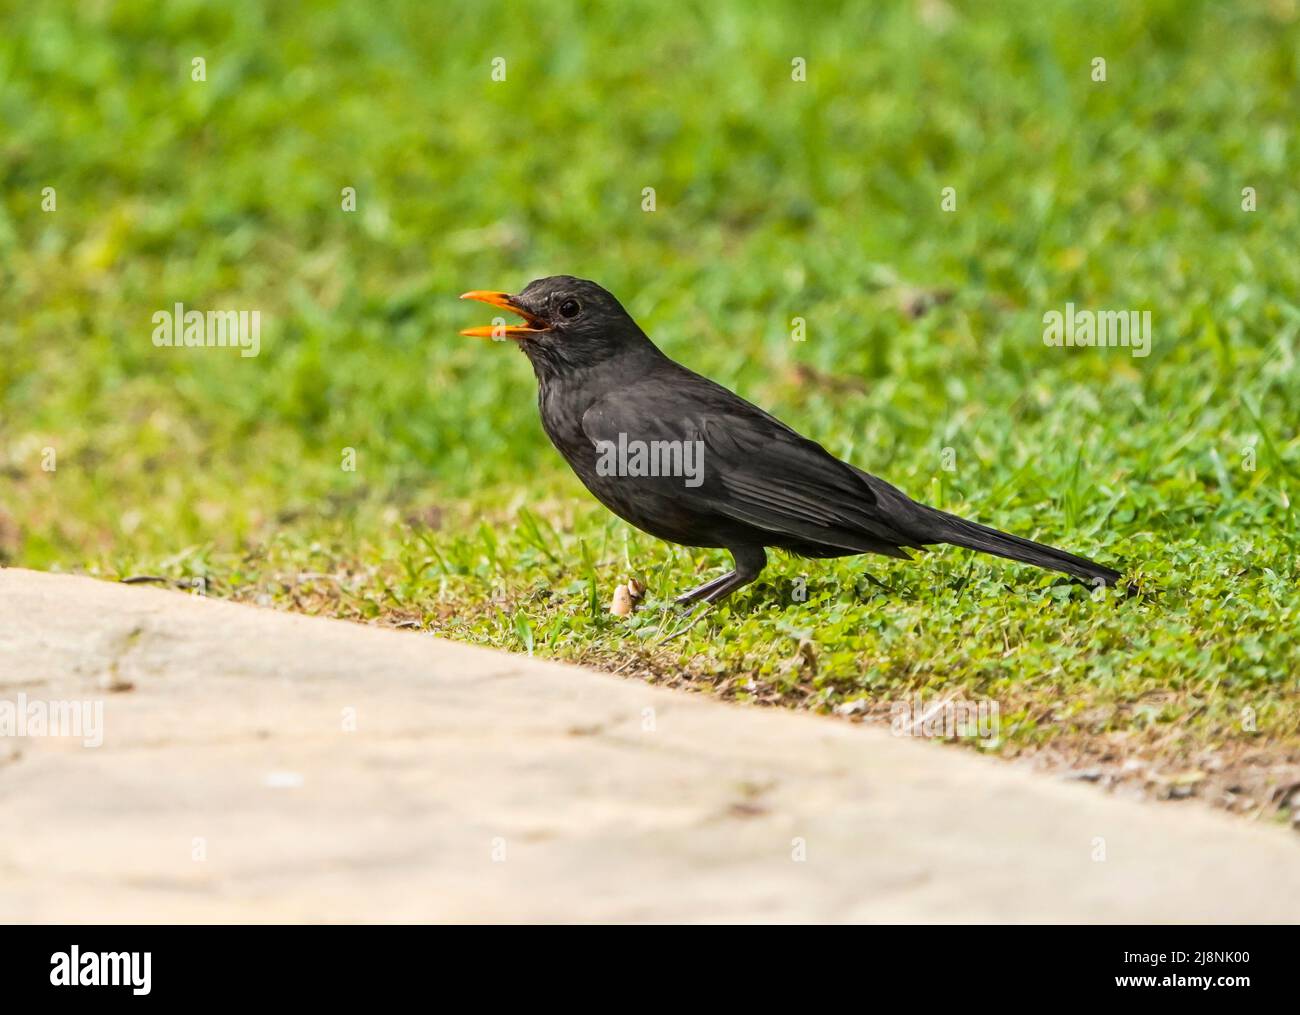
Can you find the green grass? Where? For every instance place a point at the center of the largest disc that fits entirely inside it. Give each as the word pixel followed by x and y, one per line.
pixel 776 199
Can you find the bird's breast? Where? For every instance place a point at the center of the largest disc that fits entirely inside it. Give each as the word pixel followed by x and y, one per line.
pixel 642 484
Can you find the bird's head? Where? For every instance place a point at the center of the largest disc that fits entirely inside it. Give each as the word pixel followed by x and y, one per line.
pixel 567 321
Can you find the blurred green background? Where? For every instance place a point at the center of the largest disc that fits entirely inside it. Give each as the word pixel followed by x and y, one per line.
pixel 775 199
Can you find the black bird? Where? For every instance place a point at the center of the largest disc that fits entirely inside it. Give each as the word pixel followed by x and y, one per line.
pixel 686 460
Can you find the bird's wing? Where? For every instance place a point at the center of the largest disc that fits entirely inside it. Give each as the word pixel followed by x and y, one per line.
pixel 756 469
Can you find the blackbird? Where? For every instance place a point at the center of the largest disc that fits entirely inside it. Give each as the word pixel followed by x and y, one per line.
pixel 688 461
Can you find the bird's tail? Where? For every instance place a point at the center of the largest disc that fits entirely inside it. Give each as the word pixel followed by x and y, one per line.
pixel 973 536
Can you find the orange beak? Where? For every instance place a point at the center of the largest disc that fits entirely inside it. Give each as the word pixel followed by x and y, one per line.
pixel 532 326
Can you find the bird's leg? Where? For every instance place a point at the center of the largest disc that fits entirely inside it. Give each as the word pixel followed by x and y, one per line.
pixel 750 561
pixel 687 598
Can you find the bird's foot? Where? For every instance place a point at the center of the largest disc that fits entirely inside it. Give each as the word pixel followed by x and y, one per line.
pixel 703 592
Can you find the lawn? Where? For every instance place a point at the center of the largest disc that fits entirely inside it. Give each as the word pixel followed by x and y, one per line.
pixel 369 463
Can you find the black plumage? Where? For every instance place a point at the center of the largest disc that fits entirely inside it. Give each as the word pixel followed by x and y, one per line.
pixel 602 385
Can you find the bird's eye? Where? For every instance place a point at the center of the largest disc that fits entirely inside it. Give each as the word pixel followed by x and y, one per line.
pixel 569 308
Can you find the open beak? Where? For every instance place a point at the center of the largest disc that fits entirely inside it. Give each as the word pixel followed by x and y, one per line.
pixel 532 324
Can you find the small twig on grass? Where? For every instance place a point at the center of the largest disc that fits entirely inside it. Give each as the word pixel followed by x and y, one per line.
pixel 877 582
pixel 630 661
pixel 682 631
